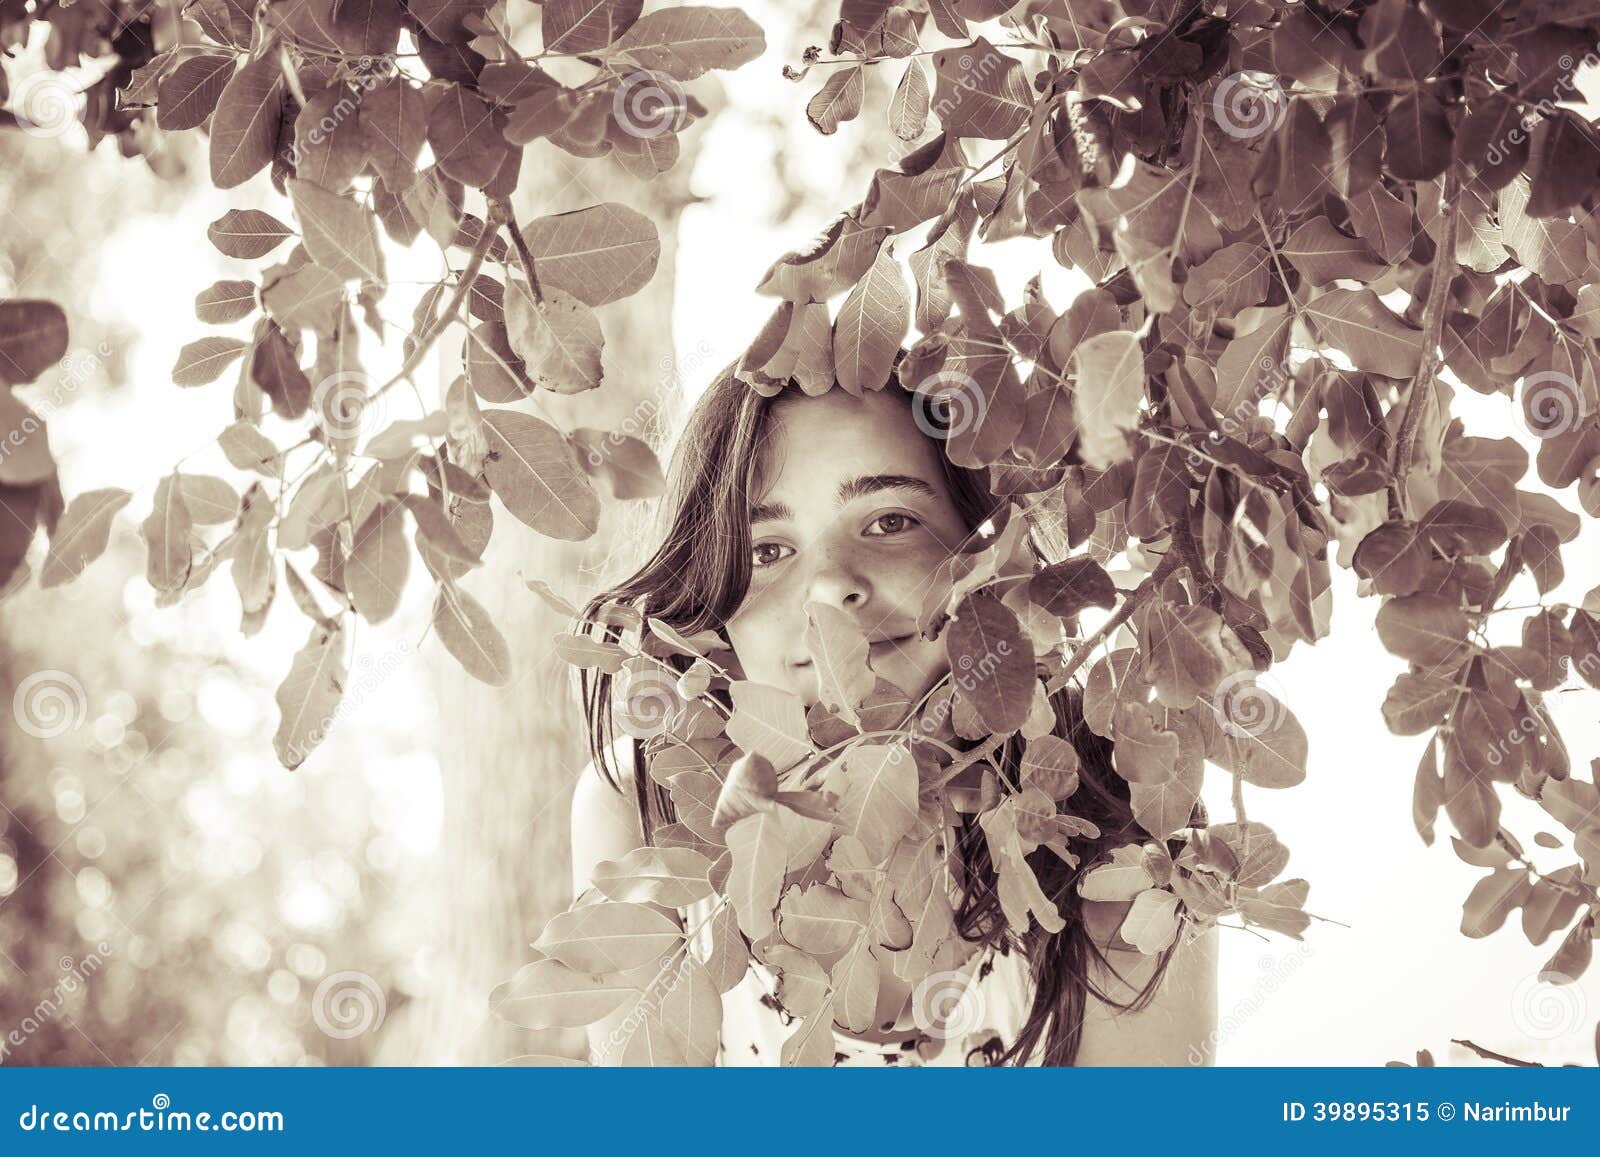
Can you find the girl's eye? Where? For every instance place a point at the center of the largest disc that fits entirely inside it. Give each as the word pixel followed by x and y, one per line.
pixel 895 522
pixel 767 553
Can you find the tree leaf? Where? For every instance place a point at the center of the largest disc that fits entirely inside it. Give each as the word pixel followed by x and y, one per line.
pixel 1424 628
pixel 468 633
pixel 980 92
pixel 244 128
pixel 769 722
pixel 572 26
pixel 838 649
pixel 203 361
pixel 872 323
pixel 341 234
pixel 689 40
pixel 608 937
pixel 81 535
pixel 309 696
pixel 760 859
pixel 247 233
pixel 533 470
pixel 1110 392
pixel 558 338
pixel 598 254
pixel 548 994
pixel 993 660
pixel 189 93
pixel 33 337
pixel 1357 322
pixel 674 877
pixel 225 301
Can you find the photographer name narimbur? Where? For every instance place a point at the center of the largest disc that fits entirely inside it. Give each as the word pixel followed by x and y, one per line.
pixel 1506 1111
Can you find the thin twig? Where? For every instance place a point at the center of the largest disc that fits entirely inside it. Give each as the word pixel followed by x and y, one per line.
pixel 438 325
pixel 1122 614
pixel 500 209
pixel 1444 271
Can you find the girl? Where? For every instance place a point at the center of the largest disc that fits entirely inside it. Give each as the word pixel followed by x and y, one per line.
pixel 781 501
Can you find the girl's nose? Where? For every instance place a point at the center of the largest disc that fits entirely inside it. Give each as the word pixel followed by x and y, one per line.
pixel 838 583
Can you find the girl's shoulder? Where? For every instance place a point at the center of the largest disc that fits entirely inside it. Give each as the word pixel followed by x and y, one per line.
pixel 605 820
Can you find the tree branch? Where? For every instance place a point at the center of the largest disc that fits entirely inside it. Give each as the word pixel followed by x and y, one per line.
pixel 1122 614
pixel 1444 271
pixel 500 210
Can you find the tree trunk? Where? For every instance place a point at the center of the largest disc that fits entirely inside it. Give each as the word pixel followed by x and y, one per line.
pixel 510 756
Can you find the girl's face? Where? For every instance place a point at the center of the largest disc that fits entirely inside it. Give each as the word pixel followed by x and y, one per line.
pixel 851 509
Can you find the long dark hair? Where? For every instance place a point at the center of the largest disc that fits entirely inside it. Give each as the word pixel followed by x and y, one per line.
pixel 696 580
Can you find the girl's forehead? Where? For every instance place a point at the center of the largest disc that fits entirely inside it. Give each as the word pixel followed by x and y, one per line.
pixel 838 435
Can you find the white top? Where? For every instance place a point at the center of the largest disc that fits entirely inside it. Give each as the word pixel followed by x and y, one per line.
pixel 986 998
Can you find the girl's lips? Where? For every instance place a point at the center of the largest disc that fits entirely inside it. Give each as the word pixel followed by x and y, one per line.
pixel 874 648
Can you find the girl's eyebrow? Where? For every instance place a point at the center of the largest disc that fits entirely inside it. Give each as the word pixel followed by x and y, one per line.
pixel 872 483
pixel 849 489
